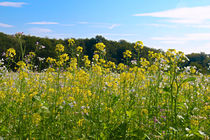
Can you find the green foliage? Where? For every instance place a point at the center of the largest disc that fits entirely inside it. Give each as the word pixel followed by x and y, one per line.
pixel 114 49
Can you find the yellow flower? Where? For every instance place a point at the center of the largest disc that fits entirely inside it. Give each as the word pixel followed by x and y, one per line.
pixel 59 48
pixel 97 70
pixel 86 61
pixel 36 118
pixel 194 122
pixel 50 70
pixel 73 64
pixel 100 46
pixel 71 42
pixel 32 54
pixel 144 62
pixel 96 57
pixel 21 64
pixel 138 45
pixel 59 63
pixel 144 111
pixel 2 95
pixel 10 52
pixel 80 122
pixel 121 67
pixel 192 70
pixel 102 61
pixel 64 57
pixel 89 93
pixel 150 53
pixel 127 54
pixel 50 60
pixel 79 49
pixel 111 64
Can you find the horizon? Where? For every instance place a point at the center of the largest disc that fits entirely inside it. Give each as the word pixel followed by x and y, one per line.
pixel 179 24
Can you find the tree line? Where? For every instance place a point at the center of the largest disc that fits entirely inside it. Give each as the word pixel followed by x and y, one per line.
pixel 45 47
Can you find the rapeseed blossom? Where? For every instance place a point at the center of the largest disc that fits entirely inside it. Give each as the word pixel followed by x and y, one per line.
pixel 10 53
pixel 59 48
pixel 127 54
pixel 79 49
pixel 71 42
pixel 139 45
pixel 100 46
pixel 51 60
pixel 64 57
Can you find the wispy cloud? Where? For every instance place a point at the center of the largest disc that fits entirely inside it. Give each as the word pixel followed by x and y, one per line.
pixel 161 25
pixel 12 4
pixel 67 25
pixel 113 26
pixel 100 25
pixel 115 34
pixel 43 23
pixel 5 25
pixel 39 30
pixel 201 26
pixel 83 22
pixel 193 15
pixel 183 39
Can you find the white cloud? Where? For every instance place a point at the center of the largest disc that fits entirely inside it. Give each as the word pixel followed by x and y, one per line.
pixel 5 25
pixel 201 26
pixel 67 25
pixel 12 4
pixel 113 26
pixel 188 43
pixel 83 22
pixel 113 34
pixel 194 15
pixel 161 25
pixel 39 30
pixel 185 38
pixel 100 25
pixel 172 42
pixel 43 23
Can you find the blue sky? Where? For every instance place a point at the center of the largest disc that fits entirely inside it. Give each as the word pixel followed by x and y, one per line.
pixel 162 24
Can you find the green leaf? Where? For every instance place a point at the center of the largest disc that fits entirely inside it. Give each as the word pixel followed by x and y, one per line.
pixel 129 113
pixel 188 80
pixel 166 89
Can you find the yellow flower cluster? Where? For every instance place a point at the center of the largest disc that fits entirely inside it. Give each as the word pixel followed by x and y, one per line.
pixel 127 54
pixel 10 53
pixel 64 57
pixel 51 60
pixel 32 54
pixel 139 45
pixel 111 64
pixel 86 61
pixel 144 62
pixel 59 48
pixel 121 67
pixel 73 64
pixel 79 49
pixel 71 42
pixel 96 57
pixel 100 46
pixel 21 64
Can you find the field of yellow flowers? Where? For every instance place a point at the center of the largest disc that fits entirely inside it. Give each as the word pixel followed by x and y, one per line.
pixel 78 98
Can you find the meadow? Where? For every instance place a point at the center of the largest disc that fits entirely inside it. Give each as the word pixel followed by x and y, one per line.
pixel 78 98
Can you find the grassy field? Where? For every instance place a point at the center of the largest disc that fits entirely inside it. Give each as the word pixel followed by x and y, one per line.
pixel 78 98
